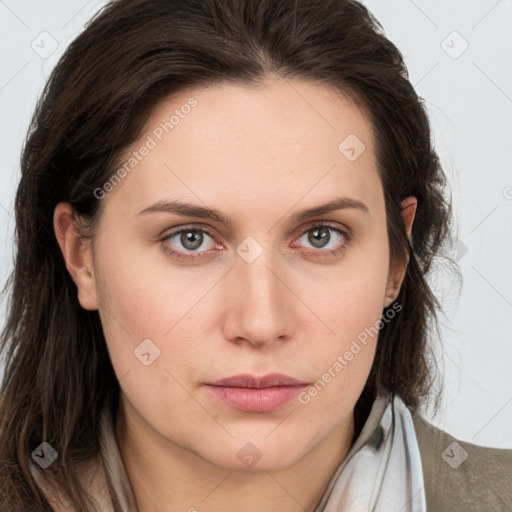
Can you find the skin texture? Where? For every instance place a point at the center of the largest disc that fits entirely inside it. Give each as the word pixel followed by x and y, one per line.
pixel 258 155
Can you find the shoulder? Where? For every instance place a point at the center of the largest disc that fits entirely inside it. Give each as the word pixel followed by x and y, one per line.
pixel 461 476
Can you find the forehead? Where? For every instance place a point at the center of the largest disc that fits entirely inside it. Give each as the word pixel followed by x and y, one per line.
pixel 272 144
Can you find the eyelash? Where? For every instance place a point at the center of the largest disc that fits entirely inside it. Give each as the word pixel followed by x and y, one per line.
pixel 318 253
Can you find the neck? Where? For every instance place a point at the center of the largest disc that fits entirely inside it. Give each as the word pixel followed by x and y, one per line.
pixel 166 477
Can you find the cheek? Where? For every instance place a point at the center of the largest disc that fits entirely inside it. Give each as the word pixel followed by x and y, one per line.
pixel 340 364
pixel 142 298
pixel 350 296
pixel 350 302
pixel 147 326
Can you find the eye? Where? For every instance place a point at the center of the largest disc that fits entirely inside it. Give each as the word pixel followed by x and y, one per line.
pixel 192 239
pixel 320 236
pixel 323 241
pixel 196 242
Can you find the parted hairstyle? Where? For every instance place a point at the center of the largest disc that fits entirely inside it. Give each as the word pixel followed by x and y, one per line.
pixel 131 56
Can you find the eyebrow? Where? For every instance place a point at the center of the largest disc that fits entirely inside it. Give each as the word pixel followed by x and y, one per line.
pixel 192 210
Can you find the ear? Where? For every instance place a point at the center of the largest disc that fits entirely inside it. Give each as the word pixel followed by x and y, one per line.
pixel 77 254
pixel 397 275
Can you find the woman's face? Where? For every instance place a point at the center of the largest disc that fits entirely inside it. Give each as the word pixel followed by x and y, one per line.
pixel 256 289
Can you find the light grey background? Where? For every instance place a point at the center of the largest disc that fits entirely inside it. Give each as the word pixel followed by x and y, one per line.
pixel 469 97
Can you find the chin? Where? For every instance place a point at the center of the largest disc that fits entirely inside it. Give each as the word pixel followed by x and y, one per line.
pixel 258 455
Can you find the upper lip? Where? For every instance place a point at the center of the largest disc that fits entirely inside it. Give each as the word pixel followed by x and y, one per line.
pixel 250 381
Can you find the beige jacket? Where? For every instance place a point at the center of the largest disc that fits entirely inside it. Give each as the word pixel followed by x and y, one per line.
pixel 458 476
pixel 481 483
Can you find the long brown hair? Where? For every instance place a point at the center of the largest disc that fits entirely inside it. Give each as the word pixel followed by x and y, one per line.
pixel 133 54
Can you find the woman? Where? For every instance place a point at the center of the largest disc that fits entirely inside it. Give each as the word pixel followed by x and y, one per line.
pixel 226 216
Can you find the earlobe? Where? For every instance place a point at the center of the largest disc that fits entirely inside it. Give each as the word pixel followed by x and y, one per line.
pixel 396 277
pixel 77 255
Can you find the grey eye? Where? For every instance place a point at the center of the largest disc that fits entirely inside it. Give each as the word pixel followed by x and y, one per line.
pixel 190 239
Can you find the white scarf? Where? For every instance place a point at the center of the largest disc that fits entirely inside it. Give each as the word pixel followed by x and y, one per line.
pixel 382 472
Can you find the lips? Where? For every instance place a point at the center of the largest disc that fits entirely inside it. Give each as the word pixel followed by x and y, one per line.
pixel 256 394
pixel 267 381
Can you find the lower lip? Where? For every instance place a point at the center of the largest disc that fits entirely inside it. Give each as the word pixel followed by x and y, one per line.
pixel 256 399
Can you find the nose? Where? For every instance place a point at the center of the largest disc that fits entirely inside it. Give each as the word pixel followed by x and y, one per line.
pixel 261 307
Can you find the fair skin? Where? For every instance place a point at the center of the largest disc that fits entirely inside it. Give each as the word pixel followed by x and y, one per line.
pixel 258 155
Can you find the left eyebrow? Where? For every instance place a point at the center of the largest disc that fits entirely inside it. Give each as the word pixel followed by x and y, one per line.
pixel 193 210
pixel 340 203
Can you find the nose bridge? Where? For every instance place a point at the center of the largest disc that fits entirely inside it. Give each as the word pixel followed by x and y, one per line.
pixel 261 303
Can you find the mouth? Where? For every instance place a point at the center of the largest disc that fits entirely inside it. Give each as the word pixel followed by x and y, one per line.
pixel 256 394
